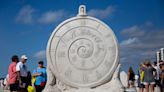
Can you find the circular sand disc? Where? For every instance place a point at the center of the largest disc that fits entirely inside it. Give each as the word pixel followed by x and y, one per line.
pixel 83 52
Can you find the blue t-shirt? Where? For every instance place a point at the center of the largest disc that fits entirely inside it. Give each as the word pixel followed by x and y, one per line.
pixel 41 78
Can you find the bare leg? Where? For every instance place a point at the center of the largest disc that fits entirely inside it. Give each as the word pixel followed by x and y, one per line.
pixel 128 85
pixel 152 87
pixel 147 87
pixel 141 90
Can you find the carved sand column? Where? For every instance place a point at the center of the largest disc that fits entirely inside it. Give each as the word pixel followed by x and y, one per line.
pixel 82 54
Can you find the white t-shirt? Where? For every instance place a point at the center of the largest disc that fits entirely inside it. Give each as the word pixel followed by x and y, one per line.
pixel 158 72
pixel 22 68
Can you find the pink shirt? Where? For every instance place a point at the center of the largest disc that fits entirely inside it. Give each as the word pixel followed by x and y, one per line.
pixel 12 73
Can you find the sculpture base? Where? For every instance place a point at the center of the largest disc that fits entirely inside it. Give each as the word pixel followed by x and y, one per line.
pixel 114 85
pixel 95 90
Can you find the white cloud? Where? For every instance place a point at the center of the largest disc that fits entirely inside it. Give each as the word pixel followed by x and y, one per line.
pixel 52 16
pixel 129 41
pixel 141 43
pixel 40 54
pixel 102 13
pixel 25 15
pixel 133 31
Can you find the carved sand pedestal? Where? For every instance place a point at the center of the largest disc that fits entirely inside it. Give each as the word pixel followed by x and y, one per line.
pixel 82 56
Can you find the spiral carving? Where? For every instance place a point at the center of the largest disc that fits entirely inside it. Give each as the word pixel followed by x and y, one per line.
pixel 83 55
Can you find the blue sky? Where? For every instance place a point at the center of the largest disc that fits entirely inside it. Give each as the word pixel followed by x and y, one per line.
pixel 26 25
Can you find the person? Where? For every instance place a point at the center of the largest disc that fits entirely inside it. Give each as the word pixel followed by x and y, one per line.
pixel 131 77
pixel 6 82
pixel 157 74
pixel 149 79
pixel 13 74
pixel 30 88
pixel 41 77
pixel 2 85
pixel 140 79
pixel 22 72
pixel 29 78
pixel 162 77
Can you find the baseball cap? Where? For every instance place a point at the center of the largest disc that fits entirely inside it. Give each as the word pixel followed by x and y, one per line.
pixel 23 57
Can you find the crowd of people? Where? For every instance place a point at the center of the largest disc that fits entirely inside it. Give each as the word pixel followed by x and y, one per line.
pixel 19 79
pixel 150 75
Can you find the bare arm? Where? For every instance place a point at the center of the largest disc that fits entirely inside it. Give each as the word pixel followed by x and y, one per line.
pixel 18 78
pixel 162 78
pixel 36 74
pixel 128 76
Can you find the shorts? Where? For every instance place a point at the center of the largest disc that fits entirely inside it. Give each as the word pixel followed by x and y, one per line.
pixel 162 85
pixel 13 87
pixel 24 81
pixel 39 88
pixel 23 86
pixel 141 85
pixel 158 83
pixel 130 81
pixel 148 83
